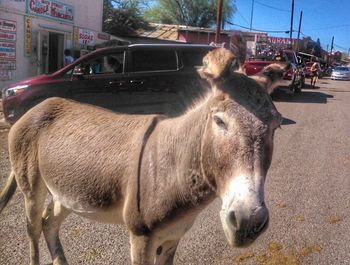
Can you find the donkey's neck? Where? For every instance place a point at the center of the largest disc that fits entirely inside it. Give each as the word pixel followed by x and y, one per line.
pixel 172 166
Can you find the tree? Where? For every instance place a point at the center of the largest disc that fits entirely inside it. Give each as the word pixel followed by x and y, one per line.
pixel 200 13
pixel 313 47
pixel 121 17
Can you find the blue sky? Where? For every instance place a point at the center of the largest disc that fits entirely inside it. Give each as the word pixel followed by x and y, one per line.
pixel 321 19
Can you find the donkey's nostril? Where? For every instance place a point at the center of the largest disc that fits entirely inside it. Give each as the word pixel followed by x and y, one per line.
pixel 261 217
pixel 232 218
pixel 159 250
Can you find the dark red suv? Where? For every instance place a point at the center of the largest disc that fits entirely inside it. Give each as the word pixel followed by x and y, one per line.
pixel 140 78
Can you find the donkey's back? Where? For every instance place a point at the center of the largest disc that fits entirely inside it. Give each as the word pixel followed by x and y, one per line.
pixel 49 139
pixel 85 156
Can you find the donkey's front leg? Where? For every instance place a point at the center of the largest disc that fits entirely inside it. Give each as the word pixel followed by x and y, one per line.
pixel 141 250
pixel 147 250
pixel 165 252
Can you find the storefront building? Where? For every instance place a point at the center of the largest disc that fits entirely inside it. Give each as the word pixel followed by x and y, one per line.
pixel 35 33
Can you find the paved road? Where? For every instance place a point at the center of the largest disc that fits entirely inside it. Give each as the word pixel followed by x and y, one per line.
pixel 307 192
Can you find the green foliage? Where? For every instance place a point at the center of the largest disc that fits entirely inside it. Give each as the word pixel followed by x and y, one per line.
pixel 200 13
pixel 121 17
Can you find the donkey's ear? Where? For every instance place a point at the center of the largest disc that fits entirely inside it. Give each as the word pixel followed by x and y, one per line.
pixel 218 63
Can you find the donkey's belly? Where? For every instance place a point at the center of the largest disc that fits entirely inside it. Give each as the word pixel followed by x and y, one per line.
pixel 113 213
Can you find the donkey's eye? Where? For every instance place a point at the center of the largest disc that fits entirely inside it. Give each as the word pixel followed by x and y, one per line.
pixel 219 122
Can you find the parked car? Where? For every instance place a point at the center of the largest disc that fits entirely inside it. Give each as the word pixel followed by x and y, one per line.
pixel 294 77
pixel 141 78
pixel 341 73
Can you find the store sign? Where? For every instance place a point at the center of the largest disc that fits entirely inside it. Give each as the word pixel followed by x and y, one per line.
pixel 51 9
pixel 7 50
pixel 7 36
pixel 27 37
pixel 5 75
pixel 103 36
pixel 276 40
pixel 7 65
pixel 86 37
pixel 76 37
pixel 8 25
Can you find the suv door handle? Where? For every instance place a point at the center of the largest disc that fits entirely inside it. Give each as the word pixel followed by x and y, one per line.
pixel 117 83
pixel 137 82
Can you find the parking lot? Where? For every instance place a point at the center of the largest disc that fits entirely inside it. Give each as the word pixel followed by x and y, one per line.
pixel 307 193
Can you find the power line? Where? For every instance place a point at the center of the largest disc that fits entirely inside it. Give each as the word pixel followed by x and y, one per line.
pixel 340 47
pixel 331 27
pixel 239 13
pixel 272 7
pixel 258 30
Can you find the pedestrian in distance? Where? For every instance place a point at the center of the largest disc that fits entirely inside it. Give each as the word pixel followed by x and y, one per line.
pixel 68 58
pixel 314 74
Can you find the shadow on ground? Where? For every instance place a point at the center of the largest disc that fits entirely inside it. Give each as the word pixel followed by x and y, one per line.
pixel 303 97
pixel 287 121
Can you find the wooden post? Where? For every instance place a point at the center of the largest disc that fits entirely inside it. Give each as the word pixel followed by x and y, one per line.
pixel 218 21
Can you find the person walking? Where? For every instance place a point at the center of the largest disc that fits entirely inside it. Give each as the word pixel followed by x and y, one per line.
pixel 314 74
pixel 68 58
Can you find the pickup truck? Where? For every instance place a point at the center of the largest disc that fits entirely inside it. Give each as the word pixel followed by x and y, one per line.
pixel 294 76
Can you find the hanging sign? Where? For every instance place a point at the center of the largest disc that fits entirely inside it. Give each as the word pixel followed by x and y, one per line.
pixel 103 36
pixel 86 37
pixel 276 40
pixel 8 25
pixel 7 36
pixel 7 65
pixel 5 75
pixel 76 37
pixel 7 50
pixel 27 36
pixel 51 9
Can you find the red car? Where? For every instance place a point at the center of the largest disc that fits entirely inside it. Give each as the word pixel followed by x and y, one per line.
pixel 293 78
pixel 142 78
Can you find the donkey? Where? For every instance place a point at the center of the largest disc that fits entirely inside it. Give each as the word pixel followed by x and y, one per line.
pixel 152 173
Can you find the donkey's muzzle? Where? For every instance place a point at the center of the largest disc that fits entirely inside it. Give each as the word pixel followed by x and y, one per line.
pixel 241 229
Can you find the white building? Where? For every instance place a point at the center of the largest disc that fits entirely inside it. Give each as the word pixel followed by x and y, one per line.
pixel 35 33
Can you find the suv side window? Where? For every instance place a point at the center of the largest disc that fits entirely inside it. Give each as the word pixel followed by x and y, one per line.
pixel 106 64
pixel 154 60
pixel 194 58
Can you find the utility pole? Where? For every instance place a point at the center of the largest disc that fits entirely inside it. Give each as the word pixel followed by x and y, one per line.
pixel 291 24
pixel 218 21
pixel 332 44
pixel 251 16
pixel 300 19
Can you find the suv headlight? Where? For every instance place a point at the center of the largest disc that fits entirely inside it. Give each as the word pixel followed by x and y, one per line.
pixel 13 91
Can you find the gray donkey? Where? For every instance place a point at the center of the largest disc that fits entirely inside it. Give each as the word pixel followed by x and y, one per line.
pixel 152 173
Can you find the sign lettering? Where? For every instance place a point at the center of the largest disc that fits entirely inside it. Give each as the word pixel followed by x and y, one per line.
pixel 5 75
pixel 27 37
pixel 277 40
pixel 86 37
pixel 51 9
pixel 7 36
pixel 8 25
pixel 7 50
pixel 7 65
